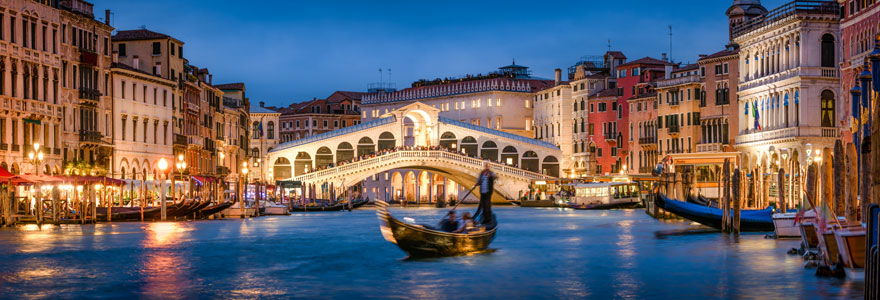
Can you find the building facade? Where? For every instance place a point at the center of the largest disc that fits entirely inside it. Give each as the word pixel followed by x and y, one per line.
pixel 554 122
pixel 340 110
pixel 789 84
pixel 264 137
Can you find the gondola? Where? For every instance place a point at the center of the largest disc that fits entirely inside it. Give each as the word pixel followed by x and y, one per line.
pixel 213 209
pixel 750 219
pixel 306 208
pixel 620 205
pixel 420 241
pixel 120 213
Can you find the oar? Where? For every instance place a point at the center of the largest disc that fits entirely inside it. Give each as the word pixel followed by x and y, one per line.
pixel 462 198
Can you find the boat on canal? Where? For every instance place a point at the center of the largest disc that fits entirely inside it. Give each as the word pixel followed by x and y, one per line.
pixel 604 195
pixel 421 241
pixel 755 220
pixel 317 207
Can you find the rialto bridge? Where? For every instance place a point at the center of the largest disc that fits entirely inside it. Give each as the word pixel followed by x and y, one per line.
pixel 415 137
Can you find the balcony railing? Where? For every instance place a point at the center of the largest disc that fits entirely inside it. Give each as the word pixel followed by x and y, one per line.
pixel 759 80
pixel 15 147
pixel 89 94
pixel 813 7
pixel 610 136
pixel 222 170
pixel 179 139
pixel 673 129
pixel 750 137
pixel 677 81
pixel 89 136
pixel 4 146
pixel 713 147
pixel 648 140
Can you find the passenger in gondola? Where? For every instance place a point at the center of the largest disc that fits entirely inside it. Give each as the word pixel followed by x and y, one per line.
pixel 466 222
pixel 486 181
pixel 449 224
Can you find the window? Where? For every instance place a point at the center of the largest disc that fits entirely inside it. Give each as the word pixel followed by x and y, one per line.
pixel 157 48
pixel 602 107
pixel 599 152
pixel 827 51
pixel 325 123
pixel 827 108
pixel 172 49
pixel 725 68
pixel 621 73
pixel 122 52
pixel 270 133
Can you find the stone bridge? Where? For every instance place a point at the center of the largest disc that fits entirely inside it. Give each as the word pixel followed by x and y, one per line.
pixel 517 160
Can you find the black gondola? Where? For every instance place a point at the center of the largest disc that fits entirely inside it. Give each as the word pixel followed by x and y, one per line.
pixel 213 209
pixel 419 241
pixel 619 205
pixel 757 220
pixel 313 208
pixel 128 213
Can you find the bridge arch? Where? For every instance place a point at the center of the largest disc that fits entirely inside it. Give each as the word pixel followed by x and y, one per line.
pixel 448 141
pixel 469 146
pixel 281 168
pixel 366 146
pixel 323 158
pixel 489 151
pixel 386 141
pixel 509 156
pixel 344 152
pixel 302 164
pixel 550 166
pixel 530 161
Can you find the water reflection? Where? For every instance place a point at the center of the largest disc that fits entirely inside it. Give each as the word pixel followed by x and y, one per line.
pixel 164 267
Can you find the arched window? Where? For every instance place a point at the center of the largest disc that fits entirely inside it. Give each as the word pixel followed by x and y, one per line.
pixel 827 108
pixel 827 51
pixel 270 134
pixel 256 130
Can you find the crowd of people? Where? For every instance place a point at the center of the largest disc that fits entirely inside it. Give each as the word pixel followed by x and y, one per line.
pixel 393 150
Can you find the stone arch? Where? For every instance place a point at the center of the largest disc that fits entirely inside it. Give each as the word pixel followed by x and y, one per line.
pixel 550 166
pixel 489 151
pixel 323 157
pixel 302 164
pixel 344 151
pixel 396 185
pixel 531 162
pixel 469 146
pixel 386 141
pixel 509 156
pixel 366 146
pixel 409 182
pixel 281 168
pixel 448 141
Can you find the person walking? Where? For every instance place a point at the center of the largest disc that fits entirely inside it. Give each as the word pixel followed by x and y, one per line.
pixel 486 181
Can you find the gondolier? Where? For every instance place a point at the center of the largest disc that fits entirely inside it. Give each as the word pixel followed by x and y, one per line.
pixel 486 181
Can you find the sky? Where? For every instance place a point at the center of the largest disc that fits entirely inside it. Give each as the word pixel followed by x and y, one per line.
pixel 292 51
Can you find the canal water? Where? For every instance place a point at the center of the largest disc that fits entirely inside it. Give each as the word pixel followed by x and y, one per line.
pixel 539 254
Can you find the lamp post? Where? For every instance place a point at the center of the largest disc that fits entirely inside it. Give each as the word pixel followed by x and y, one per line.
pixel 162 165
pixel 180 167
pixel 242 182
pixel 258 188
pixel 36 159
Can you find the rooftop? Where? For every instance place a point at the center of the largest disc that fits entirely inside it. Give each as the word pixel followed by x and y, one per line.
pixel 262 110
pixel 231 86
pixel 646 61
pixel 138 35
pixel 797 7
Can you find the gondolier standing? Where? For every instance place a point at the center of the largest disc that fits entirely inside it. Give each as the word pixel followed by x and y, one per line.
pixel 486 181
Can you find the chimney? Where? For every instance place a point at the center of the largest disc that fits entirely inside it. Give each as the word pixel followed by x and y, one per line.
pixel 668 70
pixel 663 57
pixel 159 68
pixel 558 76
pixel 107 16
pixel 211 79
pixel 262 104
pixel 702 56
pixel 136 63
pixel 115 57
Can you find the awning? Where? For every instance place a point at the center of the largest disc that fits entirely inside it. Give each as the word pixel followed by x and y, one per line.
pixel 28 179
pixel 202 180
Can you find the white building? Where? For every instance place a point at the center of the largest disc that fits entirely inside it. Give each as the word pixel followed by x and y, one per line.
pixel 264 137
pixel 142 112
pixel 554 121
pixel 788 87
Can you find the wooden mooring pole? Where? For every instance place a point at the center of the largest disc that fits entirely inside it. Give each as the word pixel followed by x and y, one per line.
pixel 725 196
pixel 852 177
pixel 736 186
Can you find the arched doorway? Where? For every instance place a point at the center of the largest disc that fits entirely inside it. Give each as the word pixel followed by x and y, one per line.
pixel 530 161
pixel 386 141
pixel 424 187
pixel 410 186
pixel 509 156
pixel 448 141
pixel 366 146
pixel 469 146
pixel 396 186
pixel 323 158
pixel 344 152
pixel 302 164
pixel 281 168
pixel 550 166
pixel 489 151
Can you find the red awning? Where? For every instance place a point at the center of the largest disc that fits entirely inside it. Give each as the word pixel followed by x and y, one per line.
pixel 91 180
pixel 203 180
pixel 4 174
pixel 33 179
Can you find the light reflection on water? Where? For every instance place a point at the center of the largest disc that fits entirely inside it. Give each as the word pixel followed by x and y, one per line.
pixel 539 253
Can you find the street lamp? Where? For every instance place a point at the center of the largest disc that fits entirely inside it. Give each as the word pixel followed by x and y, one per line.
pixel 242 190
pixel 162 165
pixel 37 159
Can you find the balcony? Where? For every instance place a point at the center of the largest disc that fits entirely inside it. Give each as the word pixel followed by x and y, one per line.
pixel 15 147
pixel 612 136
pixel 713 147
pixel 91 95
pixel 798 7
pixel 678 81
pixel 768 135
pixel 179 139
pixel 761 80
pixel 648 140
pixel 671 129
pixel 57 151
pixel 222 170
pixel 89 136
pixel 4 146
pixel 88 56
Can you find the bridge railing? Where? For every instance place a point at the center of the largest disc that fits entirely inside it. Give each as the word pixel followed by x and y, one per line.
pixel 408 154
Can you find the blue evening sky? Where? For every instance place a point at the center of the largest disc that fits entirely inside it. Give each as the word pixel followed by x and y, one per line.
pixel 290 51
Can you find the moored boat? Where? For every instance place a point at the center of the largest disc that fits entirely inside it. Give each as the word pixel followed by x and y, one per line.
pixel 314 208
pixel 852 246
pixel 420 241
pixel 604 195
pixel 213 209
pixel 750 220
pixel 785 226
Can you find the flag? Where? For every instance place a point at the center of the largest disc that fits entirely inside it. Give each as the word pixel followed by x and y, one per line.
pixel 260 128
pixel 755 115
